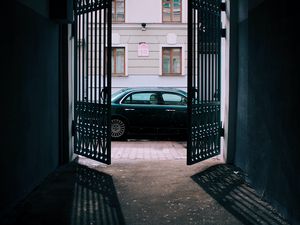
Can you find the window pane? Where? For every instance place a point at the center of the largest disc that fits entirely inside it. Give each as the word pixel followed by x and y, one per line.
pixel 171 60
pixel 166 65
pixel 141 98
pixel 120 7
pixel 118 12
pixel 176 5
pixel 166 61
pixel 128 100
pixel 176 10
pixel 166 3
pixel 120 18
pixel 173 99
pixel 113 10
pixel 177 16
pixel 112 61
pixel 120 60
pixel 171 10
pixel 166 10
pixel 167 17
pixel 176 60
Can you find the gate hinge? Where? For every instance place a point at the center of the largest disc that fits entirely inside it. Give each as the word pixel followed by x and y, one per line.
pixel 223 32
pixel 73 128
pixel 223 6
pixel 222 131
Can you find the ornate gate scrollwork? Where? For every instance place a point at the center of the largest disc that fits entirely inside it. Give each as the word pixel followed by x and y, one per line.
pixel 204 80
pixel 92 79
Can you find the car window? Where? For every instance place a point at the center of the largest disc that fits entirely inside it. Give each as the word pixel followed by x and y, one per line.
pixel 173 99
pixel 142 98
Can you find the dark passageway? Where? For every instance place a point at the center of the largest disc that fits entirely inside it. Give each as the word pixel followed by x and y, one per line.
pixel 261 133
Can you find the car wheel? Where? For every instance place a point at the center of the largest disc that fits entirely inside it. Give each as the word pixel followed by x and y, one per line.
pixel 118 129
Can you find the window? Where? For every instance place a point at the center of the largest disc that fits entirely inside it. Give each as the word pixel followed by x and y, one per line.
pixel 171 61
pixel 118 11
pixel 173 99
pixel 171 10
pixel 118 61
pixel 142 98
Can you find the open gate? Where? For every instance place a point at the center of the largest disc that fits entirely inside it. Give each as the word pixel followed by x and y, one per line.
pixel 204 83
pixel 92 79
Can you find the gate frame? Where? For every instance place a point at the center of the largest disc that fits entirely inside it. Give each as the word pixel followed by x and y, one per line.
pixel 88 109
pixel 214 79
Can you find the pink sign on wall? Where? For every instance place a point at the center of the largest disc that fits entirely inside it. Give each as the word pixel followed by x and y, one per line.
pixel 143 49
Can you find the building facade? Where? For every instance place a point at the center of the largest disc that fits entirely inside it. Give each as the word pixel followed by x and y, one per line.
pixel 149 40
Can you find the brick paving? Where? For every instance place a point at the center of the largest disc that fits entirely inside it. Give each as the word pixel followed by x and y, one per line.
pixel 148 150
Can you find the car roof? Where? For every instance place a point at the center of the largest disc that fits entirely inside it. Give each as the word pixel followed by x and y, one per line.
pixel 152 89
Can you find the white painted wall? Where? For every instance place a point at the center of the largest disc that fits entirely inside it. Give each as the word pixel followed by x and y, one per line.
pixel 149 81
pixel 143 11
pixel 148 11
pixel 147 71
pixel 184 11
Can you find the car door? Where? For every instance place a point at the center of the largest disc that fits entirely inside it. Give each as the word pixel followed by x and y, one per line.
pixel 175 110
pixel 141 110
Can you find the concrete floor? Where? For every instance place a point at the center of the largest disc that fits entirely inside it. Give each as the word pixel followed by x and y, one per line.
pixel 143 188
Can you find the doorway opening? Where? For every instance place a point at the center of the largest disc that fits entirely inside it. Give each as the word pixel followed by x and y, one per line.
pixel 178 49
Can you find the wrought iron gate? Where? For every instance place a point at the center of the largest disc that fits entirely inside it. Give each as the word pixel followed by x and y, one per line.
pixel 204 47
pixel 92 81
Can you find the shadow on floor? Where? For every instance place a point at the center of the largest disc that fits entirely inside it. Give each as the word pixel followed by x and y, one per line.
pixel 73 195
pixel 226 184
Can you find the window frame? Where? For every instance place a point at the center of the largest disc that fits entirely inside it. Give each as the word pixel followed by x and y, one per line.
pixel 171 66
pixel 114 18
pixel 171 12
pixel 113 48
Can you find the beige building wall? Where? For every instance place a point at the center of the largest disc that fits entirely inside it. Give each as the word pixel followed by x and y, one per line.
pixel 141 71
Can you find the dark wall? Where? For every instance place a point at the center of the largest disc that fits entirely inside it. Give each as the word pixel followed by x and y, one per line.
pixel 242 135
pixel 267 146
pixel 29 100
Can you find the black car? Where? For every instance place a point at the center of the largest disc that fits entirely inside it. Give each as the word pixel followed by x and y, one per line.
pixel 158 111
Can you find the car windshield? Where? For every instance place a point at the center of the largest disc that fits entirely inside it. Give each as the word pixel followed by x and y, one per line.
pixel 115 94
